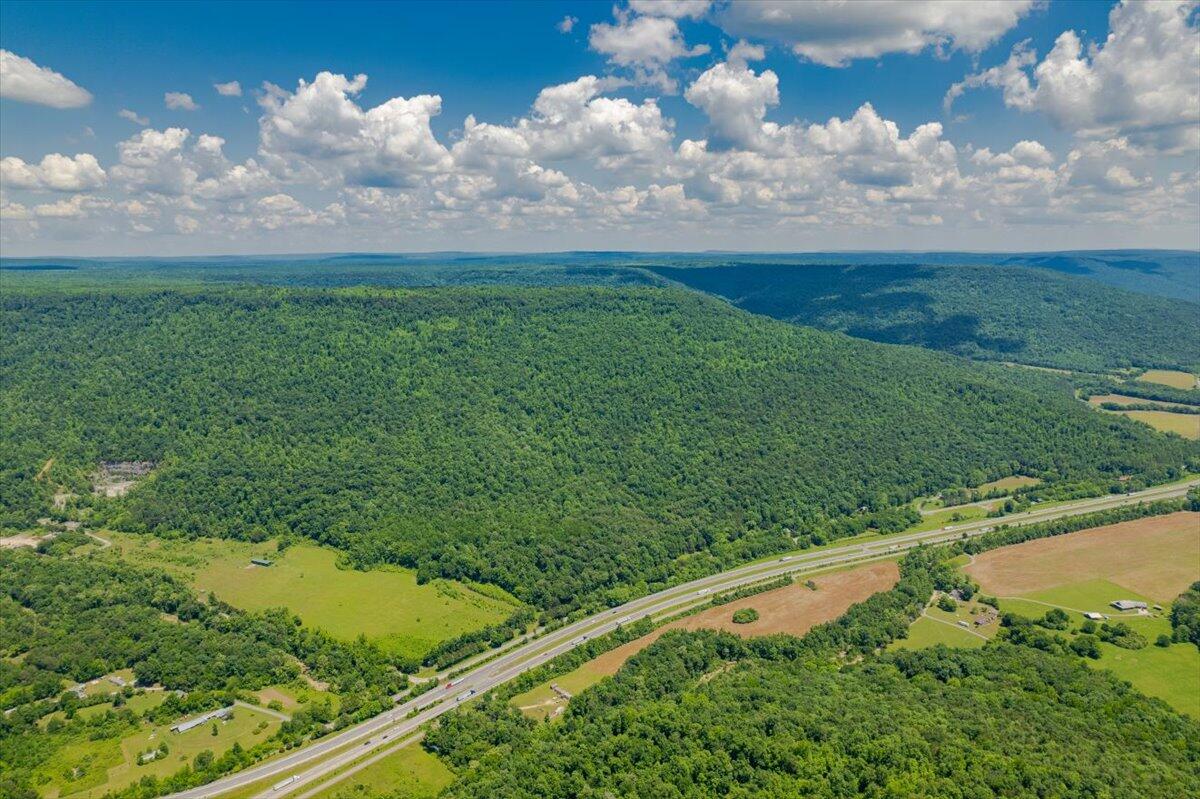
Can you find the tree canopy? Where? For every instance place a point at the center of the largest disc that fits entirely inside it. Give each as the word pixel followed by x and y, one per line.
pixel 562 443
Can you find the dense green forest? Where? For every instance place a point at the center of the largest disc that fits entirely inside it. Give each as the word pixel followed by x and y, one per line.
pixel 710 714
pixel 1037 309
pixel 1004 721
pixel 561 443
pixel 1030 316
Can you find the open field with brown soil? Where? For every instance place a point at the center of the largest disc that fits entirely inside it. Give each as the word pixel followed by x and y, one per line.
pixel 1009 483
pixel 1155 557
pixel 794 609
pixel 1149 560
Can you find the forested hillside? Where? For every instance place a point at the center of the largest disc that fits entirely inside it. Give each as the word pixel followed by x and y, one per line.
pixel 1010 313
pixel 1004 721
pixel 831 714
pixel 561 443
pixel 1069 310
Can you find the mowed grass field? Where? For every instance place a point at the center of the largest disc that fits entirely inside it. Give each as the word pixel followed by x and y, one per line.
pixel 110 764
pixel 1184 424
pixel 1169 377
pixel 138 704
pixel 1151 560
pixel 937 626
pixel 385 605
pixel 793 609
pixel 926 632
pixel 409 773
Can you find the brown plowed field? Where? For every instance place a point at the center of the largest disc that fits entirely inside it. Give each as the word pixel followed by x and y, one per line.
pixel 793 609
pixel 1155 556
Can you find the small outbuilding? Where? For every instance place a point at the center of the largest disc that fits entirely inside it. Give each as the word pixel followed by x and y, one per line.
pixel 987 617
pixel 260 561
pixel 1094 616
pixel 213 715
pixel 1128 604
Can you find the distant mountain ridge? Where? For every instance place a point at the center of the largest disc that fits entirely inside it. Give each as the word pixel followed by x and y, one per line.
pixel 1163 273
pixel 1012 313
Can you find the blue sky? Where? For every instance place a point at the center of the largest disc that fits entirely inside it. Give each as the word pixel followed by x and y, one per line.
pixel 822 129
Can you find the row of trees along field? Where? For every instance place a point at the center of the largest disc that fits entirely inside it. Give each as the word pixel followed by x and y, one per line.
pixel 570 445
pixel 710 714
pixel 81 618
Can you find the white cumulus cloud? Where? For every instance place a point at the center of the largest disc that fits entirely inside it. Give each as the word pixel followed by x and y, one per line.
pixel 320 131
pixel 675 9
pixel 179 101
pixel 23 80
pixel 645 44
pixel 835 32
pixel 56 172
pixel 230 89
pixel 1142 82
pixel 736 101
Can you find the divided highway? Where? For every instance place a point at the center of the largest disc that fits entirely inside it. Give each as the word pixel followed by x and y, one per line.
pixel 298 769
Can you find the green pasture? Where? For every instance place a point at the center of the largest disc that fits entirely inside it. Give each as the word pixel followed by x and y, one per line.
pixel 385 605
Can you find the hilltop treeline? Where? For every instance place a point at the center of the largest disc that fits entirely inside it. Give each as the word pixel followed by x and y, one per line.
pixel 1009 313
pixel 567 444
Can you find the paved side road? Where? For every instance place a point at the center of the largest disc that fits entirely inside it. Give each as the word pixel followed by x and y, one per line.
pixel 403 720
